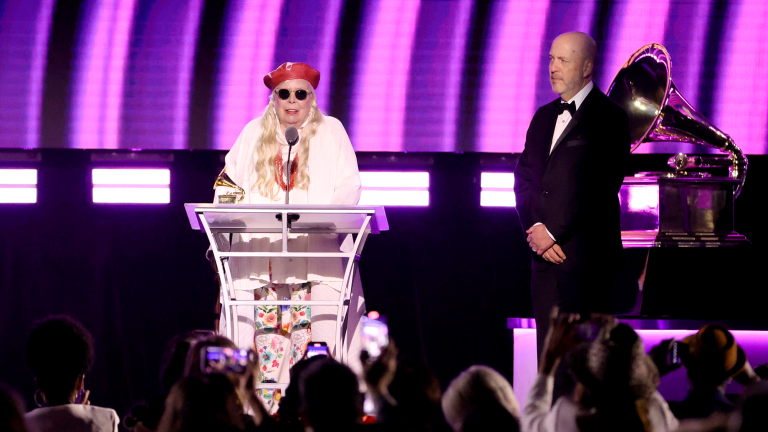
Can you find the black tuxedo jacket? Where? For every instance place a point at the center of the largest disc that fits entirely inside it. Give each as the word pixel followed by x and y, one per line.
pixel 574 190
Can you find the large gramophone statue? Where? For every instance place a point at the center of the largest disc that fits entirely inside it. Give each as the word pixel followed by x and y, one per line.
pixel 692 205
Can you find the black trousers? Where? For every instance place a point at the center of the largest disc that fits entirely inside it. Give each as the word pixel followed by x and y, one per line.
pixel 582 293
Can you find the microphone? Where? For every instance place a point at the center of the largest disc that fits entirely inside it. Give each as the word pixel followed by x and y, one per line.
pixel 291 136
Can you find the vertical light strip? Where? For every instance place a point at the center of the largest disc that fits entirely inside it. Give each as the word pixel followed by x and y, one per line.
pixel 434 84
pixel 497 189
pixel 326 53
pixel 315 44
pixel 635 23
pixel 115 72
pixel 186 73
pixel 695 34
pixel 455 72
pixel 585 18
pixel 741 106
pixel 25 28
pixel 18 186
pixel 37 72
pixel 508 93
pixel 89 52
pixel 247 49
pixel 685 37
pixel 523 369
pixel 381 79
pixel 157 93
pixel 102 51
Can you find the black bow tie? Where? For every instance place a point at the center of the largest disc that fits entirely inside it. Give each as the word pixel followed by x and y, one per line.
pixel 564 106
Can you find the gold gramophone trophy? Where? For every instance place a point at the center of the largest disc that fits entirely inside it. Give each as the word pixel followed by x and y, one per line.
pixel 693 207
pixel 233 197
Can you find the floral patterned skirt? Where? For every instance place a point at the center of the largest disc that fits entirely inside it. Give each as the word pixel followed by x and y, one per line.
pixel 281 335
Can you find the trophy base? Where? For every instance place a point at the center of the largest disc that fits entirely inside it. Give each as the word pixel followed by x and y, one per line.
pixel 653 239
pixel 697 240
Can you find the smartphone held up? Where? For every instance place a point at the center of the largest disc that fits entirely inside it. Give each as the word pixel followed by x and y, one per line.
pixel 317 349
pixel 374 334
pixel 224 360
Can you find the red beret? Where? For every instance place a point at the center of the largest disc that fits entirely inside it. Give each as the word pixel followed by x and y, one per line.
pixel 289 71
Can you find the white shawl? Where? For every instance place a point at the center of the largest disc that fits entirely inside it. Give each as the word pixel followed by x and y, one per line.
pixel 334 179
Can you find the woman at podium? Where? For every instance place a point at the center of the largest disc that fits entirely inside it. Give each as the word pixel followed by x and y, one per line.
pixel 323 171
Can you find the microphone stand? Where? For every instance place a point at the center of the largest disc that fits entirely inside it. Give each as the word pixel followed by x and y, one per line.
pixel 288 173
pixel 292 217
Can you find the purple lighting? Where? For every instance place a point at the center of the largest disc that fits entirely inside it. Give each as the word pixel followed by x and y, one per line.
pixel 24 33
pixel 744 84
pixel 324 63
pixel 639 22
pixel 381 82
pixel 497 189
pixel 248 49
pixel 156 101
pixel 688 67
pixel 508 90
pixel 402 75
pixel 102 51
pixel 586 15
pixel 562 17
pixel 130 176
pixel 18 186
pixel 39 60
pixel 673 386
pixel 687 21
pixel 131 186
pixel 315 44
pixel 434 84
pixel 395 188
pixel 643 198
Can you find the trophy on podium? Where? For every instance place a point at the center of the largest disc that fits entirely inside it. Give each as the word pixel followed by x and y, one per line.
pixel 233 197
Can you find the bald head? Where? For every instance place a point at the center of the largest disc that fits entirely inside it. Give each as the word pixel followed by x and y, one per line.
pixel 571 63
pixel 580 44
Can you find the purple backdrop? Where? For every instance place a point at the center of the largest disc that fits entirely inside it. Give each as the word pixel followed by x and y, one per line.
pixel 403 75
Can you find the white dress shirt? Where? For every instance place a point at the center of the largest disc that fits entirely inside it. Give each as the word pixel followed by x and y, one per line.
pixel 563 120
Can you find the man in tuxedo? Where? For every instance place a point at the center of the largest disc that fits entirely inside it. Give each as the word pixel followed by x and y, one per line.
pixel 566 186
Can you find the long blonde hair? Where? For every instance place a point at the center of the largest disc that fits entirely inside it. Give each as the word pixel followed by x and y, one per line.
pixel 268 148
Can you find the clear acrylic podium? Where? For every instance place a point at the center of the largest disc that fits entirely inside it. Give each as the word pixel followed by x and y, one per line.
pixel 358 221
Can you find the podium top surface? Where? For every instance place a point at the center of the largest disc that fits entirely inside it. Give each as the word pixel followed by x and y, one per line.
pixel 263 218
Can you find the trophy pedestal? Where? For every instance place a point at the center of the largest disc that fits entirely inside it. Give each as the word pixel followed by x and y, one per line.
pixel 681 249
pixel 673 211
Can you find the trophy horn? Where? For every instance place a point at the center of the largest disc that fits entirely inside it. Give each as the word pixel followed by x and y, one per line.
pixel 658 112
pixel 230 197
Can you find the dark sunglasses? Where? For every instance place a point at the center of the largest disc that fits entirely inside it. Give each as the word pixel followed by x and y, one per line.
pixel 284 94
